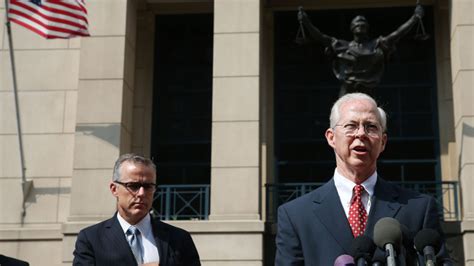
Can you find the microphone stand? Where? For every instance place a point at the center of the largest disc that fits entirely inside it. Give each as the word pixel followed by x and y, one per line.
pixel 392 254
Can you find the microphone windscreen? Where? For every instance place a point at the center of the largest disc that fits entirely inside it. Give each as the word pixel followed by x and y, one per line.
pixel 410 252
pixel 362 247
pixel 427 237
pixel 387 231
pixel 344 260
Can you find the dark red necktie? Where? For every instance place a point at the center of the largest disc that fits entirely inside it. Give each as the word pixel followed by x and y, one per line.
pixel 357 213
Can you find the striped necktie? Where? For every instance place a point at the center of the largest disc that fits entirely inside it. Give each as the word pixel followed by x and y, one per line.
pixel 135 242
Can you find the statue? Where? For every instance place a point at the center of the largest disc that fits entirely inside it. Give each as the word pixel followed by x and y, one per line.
pixel 359 63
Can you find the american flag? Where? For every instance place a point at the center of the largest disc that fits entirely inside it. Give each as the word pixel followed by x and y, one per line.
pixel 51 18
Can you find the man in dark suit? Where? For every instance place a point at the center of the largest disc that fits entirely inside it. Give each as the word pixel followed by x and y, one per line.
pixel 320 226
pixel 132 236
pixel 9 261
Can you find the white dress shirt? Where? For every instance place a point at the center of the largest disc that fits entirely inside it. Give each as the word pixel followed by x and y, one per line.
pixel 150 251
pixel 344 188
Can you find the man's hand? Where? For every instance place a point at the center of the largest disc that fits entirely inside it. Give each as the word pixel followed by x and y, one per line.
pixel 419 11
pixel 151 264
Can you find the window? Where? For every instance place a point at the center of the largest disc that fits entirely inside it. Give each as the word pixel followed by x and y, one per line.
pixel 182 98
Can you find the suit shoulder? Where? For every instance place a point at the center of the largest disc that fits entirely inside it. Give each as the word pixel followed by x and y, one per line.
pixel 96 227
pixel 4 260
pixel 410 194
pixel 306 199
pixel 176 231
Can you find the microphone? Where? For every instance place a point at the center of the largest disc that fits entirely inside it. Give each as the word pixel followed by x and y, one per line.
pixel 362 248
pixel 388 236
pixel 408 248
pixel 344 260
pixel 379 258
pixel 428 243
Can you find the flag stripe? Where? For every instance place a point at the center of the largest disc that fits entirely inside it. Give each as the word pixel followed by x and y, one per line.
pixel 51 18
pixel 53 8
pixel 60 8
pixel 33 22
pixel 29 13
pixel 76 7
pixel 44 12
pixel 49 35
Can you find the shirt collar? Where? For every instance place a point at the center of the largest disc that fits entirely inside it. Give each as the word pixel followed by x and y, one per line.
pixel 144 225
pixel 346 185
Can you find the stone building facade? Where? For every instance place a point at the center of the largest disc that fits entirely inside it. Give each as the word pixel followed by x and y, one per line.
pixel 85 101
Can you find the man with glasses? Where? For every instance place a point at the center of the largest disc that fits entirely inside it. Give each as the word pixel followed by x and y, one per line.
pixel 320 226
pixel 132 236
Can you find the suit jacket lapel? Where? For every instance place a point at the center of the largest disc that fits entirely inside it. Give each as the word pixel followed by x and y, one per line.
pixel 161 239
pixel 116 237
pixel 328 209
pixel 384 204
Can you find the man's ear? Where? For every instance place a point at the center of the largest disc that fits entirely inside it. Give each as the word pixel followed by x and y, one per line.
pixel 113 188
pixel 330 137
pixel 384 141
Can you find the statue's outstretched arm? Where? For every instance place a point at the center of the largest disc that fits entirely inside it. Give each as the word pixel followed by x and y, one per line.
pixel 314 32
pixel 405 27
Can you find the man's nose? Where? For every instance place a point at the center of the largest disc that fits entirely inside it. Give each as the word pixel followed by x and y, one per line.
pixel 360 131
pixel 141 191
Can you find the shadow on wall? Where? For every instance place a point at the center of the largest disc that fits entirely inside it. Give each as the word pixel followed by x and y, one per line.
pixel 109 133
pixel 467 130
pixel 43 191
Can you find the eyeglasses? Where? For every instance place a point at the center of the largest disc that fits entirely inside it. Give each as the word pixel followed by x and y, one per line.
pixel 350 129
pixel 135 186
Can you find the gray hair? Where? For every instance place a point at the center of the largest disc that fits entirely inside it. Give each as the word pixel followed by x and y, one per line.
pixel 133 158
pixel 335 114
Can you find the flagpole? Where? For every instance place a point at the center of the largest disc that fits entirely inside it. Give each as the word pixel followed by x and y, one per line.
pixel 26 185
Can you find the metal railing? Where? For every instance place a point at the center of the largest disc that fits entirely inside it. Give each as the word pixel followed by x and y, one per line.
pixel 191 202
pixel 446 194
pixel 181 202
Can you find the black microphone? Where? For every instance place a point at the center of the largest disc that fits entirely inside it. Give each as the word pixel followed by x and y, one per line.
pixel 379 257
pixel 388 236
pixel 362 249
pixel 428 243
pixel 408 248
pixel 344 260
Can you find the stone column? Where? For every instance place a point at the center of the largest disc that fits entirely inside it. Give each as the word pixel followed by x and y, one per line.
pixel 104 113
pixel 235 116
pixel 237 228
pixel 143 91
pixel 462 66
